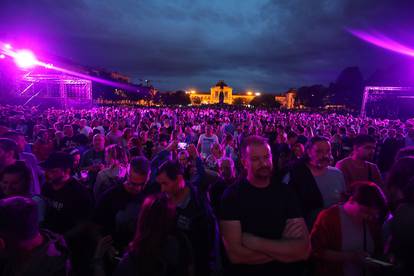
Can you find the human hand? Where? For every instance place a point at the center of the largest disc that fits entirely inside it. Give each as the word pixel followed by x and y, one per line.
pixel 172 146
pixel 358 257
pixel 105 246
pixel 294 230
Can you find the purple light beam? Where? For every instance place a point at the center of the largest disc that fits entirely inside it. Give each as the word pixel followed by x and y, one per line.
pixel 383 41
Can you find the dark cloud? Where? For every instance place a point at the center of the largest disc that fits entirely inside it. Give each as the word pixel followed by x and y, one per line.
pixel 264 45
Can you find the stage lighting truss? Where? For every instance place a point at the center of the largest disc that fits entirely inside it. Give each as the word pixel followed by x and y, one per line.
pixel 64 88
pixel 376 93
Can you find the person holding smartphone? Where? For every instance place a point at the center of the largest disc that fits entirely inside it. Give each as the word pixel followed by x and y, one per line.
pixel 343 236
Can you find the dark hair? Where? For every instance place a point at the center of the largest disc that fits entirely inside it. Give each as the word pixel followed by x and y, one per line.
pixel 311 142
pixel 18 218
pixel 8 145
pixel 252 140
pixel 140 165
pixel 363 139
pixel 171 168
pixel 12 134
pixel 404 152
pixel 156 221
pixel 291 134
pixel 23 171
pixel 368 194
pixel 398 178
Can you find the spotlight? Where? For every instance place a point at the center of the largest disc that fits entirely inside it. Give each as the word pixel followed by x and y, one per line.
pixel 7 46
pixel 257 94
pixel 25 59
pixel 2 56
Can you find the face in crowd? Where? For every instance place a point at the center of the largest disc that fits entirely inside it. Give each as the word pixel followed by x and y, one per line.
pixel 366 151
pixel 99 142
pixel 258 161
pixel 320 154
pixel 56 176
pixel 171 186
pixel 136 181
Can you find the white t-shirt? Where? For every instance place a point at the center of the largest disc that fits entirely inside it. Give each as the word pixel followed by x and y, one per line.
pixel 206 143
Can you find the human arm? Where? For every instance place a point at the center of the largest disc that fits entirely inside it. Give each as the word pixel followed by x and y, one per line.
pixel 238 253
pixel 293 246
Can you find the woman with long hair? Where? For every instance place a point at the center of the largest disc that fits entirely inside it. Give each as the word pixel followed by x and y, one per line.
pixel 116 159
pixel 157 249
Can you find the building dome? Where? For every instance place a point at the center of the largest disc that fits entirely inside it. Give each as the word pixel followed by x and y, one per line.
pixel 221 84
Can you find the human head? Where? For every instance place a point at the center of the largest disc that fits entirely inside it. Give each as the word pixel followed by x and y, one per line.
pixel 209 130
pixel 156 220
pixel 183 158
pixel 366 201
pixel 226 168
pixel 298 150
pixel 404 152
pixel 216 150
pixel 114 126
pixel 98 142
pixel 76 156
pixel 397 181
pixel 68 130
pixel 9 152
pixel 18 222
pixel 16 179
pixel 116 155
pixel 58 167
pixel 171 178
pixel 256 158
pixel 318 152
pixel 83 123
pixel 18 138
pixel 364 147
pixel 292 138
pixel 138 174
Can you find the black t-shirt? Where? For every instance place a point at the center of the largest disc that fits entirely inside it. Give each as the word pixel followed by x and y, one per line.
pixel 262 212
pixel 117 211
pixel 66 207
pixel 196 220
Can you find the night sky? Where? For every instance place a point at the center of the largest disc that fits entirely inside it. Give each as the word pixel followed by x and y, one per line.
pixel 267 46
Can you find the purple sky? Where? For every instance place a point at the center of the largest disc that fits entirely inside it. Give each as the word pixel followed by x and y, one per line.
pixel 268 46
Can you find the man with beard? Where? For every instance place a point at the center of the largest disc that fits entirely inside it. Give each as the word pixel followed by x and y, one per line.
pixel 316 184
pixel 117 209
pixel 194 216
pixel 94 159
pixel 357 167
pixel 24 248
pixel 261 225
pixel 67 201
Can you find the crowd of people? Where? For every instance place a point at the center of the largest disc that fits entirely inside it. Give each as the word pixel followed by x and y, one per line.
pixel 204 191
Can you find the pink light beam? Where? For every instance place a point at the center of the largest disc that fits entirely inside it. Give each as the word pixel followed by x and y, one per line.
pixel 25 59
pixel 383 41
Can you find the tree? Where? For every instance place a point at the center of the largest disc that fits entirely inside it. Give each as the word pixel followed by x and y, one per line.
pixel 313 96
pixel 176 98
pixel 348 87
pixel 238 101
pixel 265 100
pixel 197 100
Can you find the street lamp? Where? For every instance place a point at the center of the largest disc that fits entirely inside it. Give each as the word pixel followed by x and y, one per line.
pixel 257 94
pixel 249 93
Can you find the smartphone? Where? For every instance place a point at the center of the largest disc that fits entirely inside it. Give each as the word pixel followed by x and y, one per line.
pixel 182 146
pixel 375 261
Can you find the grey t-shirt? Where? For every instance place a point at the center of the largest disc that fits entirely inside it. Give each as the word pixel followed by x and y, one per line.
pixel 353 240
pixel 331 185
